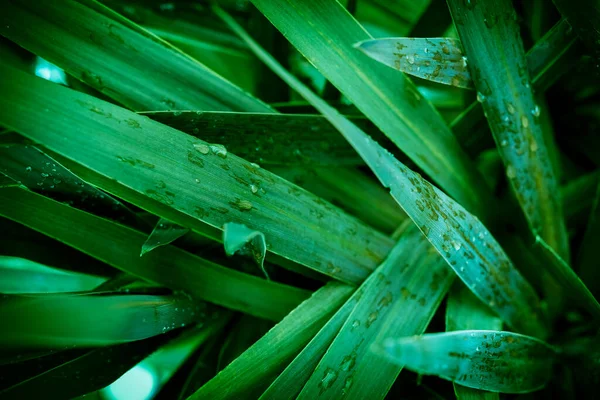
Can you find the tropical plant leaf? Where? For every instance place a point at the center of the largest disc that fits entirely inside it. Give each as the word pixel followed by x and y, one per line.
pixel 464 311
pixel 258 366
pixel 40 173
pixel 238 238
pixel 270 138
pixel 436 59
pixel 458 236
pixel 490 36
pixel 24 276
pixel 546 61
pixel 90 320
pixel 119 246
pixel 411 282
pixel 521 364
pixel 324 32
pixel 568 279
pixel 190 180
pixel 164 232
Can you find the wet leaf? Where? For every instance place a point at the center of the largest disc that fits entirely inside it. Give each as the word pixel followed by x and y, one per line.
pixel 169 266
pixel 238 238
pixel 491 38
pixel 436 59
pixel 458 236
pixel 497 361
pixel 258 366
pixel 164 232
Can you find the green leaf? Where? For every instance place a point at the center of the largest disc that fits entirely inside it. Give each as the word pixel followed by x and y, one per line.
pixel 546 62
pixel 324 32
pixel 270 138
pixel 169 266
pixel 436 59
pixel 258 366
pixel 62 320
pixel 458 236
pixel 521 364
pixel 41 173
pixel 238 238
pixel 464 311
pixel 587 256
pixel 24 276
pixel 567 278
pixel 164 233
pixel 411 282
pixel 491 38
pixel 585 18
pixel 119 58
pixel 188 182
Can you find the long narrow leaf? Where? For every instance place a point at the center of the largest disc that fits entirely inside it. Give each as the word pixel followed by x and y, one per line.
pixel 492 360
pixel 587 258
pixel 258 366
pixel 458 236
pixel 198 180
pixel 167 265
pixel 398 299
pixel 324 32
pixel 491 38
pixel 164 232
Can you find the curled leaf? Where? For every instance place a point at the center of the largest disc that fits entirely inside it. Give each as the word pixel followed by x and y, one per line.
pixel 238 238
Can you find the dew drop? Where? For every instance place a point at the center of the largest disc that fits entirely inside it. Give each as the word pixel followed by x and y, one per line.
pixel 524 121
pixel 425 50
pixel 533 146
pixel 535 111
pixel 219 150
pixel 45 175
pixel 480 97
pixel 511 172
pixel 410 59
pixel 28 169
pixel 255 165
pixel 504 143
pixel 477 348
pixel 254 188
pixel 457 245
pixel 510 108
pixel 464 61
pixel 202 148
pixel 177 113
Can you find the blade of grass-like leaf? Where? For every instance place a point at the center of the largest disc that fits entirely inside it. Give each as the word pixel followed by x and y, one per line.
pixel 169 266
pixel 24 276
pixel 567 278
pixel 188 181
pixel 164 232
pixel 88 320
pixel 5 181
pixel 91 42
pixel 410 283
pixel 238 238
pixel 587 260
pixel 324 32
pixel 464 311
pixel 436 59
pixel 546 62
pixel 41 173
pixel 258 366
pixel 483 359
pixel 577 196
pixel 270 138
pixel 458 236
pixel 491 38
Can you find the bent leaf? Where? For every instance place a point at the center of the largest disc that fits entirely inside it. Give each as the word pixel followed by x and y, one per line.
pixel 164 233
pixel 436 59
pixel 169 266
pixel 491 39
pixel 238 238
pixel 258 366
pixel 190 182
pixel 458 236
pixel 24 276
pixel 497 361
